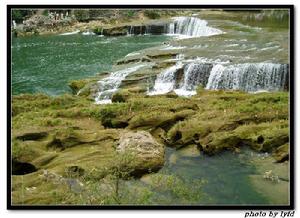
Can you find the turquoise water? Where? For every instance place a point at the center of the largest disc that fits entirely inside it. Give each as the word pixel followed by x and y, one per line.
pixel 45 64
pixel 222 179
pixel 225 175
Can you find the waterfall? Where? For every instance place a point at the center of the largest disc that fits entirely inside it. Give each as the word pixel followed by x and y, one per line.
pixel 192 27
pixel 130 31
pixel 195 74
pixel 110 84
pixel 180 26
pixel 171 28
pixel 249 77
pixel 166 81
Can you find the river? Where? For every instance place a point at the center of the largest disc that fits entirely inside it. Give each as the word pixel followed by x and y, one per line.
pixel 45 64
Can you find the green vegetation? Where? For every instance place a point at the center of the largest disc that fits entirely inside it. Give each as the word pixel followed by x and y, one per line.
pixel 98 30
pixel 20 14
pixel 131 13
pixel 152 14
pixel 70 132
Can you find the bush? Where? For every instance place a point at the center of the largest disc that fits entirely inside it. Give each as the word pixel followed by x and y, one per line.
pixel 20 15
pixel 152 14
pixel 130 13
pixel 98 30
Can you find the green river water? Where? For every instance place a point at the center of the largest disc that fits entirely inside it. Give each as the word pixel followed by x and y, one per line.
pixel 222 179
pixel 45 64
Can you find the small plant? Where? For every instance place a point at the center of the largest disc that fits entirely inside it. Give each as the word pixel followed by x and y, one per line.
pixel 98 31
pixel 130 13
pixel 120 170
pixel 46 12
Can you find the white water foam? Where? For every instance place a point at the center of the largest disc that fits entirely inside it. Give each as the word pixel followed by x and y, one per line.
pixel 248 77
pixel 185 27
pixel 195 73
pixel 88 33
pixel 110 84
pixel 133 54
pixel 70 33
pixel 173 47
pixel 165 81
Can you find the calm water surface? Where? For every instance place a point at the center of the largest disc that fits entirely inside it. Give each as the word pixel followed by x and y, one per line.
pixel 225 176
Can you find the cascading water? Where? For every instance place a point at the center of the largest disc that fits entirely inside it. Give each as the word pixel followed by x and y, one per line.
pixel 180 26
pixel 191 27
pixel 110 84
pixel 171 28
pixel 194 74
pixel 166 81
pixel 249 77
pixel 130 31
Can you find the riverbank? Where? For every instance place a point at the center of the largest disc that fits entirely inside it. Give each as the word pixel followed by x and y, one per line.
pixel 107 22
pixel 121 22
pixel 70 137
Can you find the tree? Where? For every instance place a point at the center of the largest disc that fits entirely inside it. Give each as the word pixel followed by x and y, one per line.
pixel 19 15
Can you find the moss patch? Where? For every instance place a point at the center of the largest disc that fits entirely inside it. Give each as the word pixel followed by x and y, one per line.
pixel 71 137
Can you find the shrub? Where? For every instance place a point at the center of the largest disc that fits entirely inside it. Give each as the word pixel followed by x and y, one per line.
pixel 20 15
pixel 152 14
pixel 130 13
pixel 98 30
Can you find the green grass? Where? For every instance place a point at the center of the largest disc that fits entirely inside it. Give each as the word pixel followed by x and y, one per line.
pixel 83 135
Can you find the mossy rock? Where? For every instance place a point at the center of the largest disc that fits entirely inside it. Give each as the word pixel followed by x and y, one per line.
pixel 76 85
pixel 153 120
pixel 65 139
pixel 281 153
pixel 137 90
pixel 218 142
pixel 115 31
pixel 32 136
pixel 189 131
pixel 120 96
pixel 44 160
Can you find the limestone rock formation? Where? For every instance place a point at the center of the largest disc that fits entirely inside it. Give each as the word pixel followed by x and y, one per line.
pixel 147 152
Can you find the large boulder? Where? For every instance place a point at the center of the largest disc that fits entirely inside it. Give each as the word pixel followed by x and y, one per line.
pixel 147 153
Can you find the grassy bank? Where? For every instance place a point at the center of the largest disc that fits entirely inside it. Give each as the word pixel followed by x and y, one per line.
pixel 70 143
